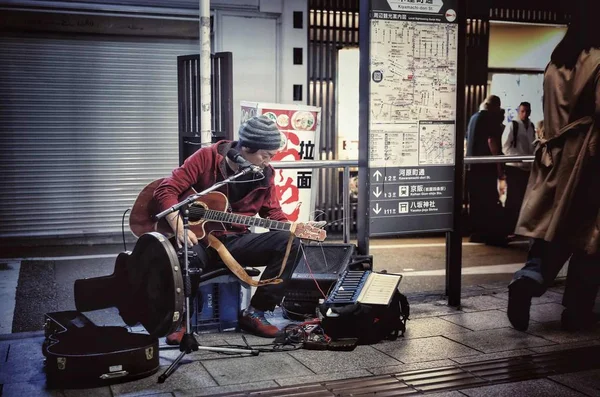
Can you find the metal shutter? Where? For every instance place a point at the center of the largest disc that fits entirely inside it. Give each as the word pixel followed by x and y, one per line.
pixel 85 123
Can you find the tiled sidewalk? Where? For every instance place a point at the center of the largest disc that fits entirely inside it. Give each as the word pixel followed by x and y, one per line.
pixel 437 336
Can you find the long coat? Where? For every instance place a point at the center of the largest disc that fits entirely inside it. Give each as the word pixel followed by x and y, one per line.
pixel 562 202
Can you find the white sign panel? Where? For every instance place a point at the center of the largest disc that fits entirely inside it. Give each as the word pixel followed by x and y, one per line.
pixel 420 6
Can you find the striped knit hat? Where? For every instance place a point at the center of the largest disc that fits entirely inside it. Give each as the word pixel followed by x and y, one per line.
pixel 260 132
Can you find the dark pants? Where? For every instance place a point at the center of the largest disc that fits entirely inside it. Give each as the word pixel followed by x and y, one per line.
pixel 255 249
pixel 545 260
pixel 516 179
pixel 484 211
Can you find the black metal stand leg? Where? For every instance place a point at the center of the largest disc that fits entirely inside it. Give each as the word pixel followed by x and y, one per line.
pixel 188 342
pixel 171 369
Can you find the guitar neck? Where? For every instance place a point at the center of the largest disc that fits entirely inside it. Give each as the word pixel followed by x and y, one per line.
pixel 227 217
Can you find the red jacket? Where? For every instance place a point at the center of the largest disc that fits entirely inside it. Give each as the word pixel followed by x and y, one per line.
pixel 206 167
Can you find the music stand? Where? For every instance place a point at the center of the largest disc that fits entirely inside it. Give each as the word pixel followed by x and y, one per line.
pixel 188 342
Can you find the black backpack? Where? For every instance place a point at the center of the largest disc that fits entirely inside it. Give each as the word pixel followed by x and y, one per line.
pixel 367 323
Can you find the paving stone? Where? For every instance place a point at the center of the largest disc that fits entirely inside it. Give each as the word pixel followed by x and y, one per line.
pixel 395 369
pixel 186 376
pixel 95 392
pixel 548 297
pixel 25 362
pixel 425 349
pixel 477 321
pixel 470 290
pixel 4 352
pixel 565 346
pixel 587 382
pixel 478 303
pixel 430 326
pixel 298 380
pixel 530 388
pixel 339 361
pixel 498 286
pixel 265 366
pixel 432 309
pixel 558 288
pixel 211 391
pixel 29 389
pixel 218 338
pixel 553 331
pixel 237 339
pixel 168 356
pixel 496 340
pixel 546 312
pixel 492 356
pixel 447 394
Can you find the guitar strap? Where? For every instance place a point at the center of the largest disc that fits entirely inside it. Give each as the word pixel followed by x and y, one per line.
pixel 239 271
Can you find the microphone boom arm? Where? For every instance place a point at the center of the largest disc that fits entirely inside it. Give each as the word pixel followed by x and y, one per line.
pixel 195 197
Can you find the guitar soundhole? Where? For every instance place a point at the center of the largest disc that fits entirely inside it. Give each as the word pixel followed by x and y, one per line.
pixel 197 210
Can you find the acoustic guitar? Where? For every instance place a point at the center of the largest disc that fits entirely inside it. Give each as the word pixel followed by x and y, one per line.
pixel 207 214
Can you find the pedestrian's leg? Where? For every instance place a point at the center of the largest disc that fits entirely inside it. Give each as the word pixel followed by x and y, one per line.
pixel 583 280
pixel 516 179
pixel 544 261
pixel 513 202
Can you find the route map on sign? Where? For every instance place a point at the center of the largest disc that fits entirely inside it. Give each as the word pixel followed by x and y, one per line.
pixel 417 62
pixel 436 143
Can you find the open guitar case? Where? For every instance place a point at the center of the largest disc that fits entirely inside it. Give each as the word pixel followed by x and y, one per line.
pixel 147 289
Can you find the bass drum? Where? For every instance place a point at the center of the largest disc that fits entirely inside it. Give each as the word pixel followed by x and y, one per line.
pixel 146 287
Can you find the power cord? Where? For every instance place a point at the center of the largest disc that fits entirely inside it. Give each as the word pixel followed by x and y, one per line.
pixel 123 228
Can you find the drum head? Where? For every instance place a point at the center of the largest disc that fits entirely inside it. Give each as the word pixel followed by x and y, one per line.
pixel 154 275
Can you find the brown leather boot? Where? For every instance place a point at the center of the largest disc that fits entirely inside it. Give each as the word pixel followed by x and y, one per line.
pixel 256 323
pixel 174 339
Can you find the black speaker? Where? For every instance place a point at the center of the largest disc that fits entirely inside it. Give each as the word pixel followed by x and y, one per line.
pixel 316 272
pixel 323 262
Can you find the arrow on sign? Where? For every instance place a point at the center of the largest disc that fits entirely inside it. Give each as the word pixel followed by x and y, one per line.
pixel 377 192
pixel 377 175
pixel 377 210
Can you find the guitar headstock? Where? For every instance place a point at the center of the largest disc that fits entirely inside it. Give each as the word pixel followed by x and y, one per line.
pixel 310 231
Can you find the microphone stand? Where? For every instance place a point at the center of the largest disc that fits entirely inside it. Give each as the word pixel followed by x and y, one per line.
pixel 188 342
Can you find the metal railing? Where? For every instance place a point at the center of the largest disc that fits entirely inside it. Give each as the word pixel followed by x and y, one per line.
pixel 498 159
pixel 317 164
pixel 346 164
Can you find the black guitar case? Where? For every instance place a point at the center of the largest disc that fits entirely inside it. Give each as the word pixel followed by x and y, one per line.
pixel 147 288
pixel 81 354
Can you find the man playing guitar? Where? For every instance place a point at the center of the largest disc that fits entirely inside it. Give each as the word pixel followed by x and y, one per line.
pixel 251 194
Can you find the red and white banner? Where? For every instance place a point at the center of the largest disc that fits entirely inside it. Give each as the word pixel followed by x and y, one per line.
pixel 301 126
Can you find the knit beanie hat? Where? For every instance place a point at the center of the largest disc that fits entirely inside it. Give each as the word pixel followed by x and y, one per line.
pixel 260 132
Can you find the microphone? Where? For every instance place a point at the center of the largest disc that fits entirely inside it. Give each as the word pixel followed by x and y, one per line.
pixel 244 164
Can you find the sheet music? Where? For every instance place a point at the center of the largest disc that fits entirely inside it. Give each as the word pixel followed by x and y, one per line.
pixel 379 289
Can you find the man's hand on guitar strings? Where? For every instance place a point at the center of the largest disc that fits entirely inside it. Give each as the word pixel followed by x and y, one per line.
pixel 177 225
pixel 317 224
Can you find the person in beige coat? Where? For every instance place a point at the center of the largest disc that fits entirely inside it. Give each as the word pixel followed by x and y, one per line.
pixel 561 208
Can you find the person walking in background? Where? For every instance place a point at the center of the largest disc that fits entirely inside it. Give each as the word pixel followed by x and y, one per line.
pixel 561 209
pixel 517 140
pixel 486 181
